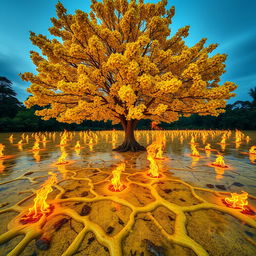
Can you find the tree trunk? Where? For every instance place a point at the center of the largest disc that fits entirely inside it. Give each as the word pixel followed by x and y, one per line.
pixel 130 143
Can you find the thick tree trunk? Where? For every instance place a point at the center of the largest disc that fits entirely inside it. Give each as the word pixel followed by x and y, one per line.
pixel 130 143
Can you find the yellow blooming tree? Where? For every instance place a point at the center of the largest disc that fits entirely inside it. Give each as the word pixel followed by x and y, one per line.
pixel 121 63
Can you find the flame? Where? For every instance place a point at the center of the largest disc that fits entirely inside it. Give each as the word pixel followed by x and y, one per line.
pixel 1 150
pixel 192 141
pixel 62 158
pixel 153 167
pixel 223 140
pixel 247 139
pixel 2 166
pixel 156 148
pixel 36 146
pixel 77 146
pixel 194 151
pixel 208 147
pixel 40 207
pixel 237 201
pixel 252 158
pixel 219 162
pixel 63 140
pixel 11 138
pixel 252 150
pixel 20 142
pixel 116 183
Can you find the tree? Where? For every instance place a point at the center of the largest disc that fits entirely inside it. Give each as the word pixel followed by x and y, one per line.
pixel 9 105
pixel 120 63
pixel 252 93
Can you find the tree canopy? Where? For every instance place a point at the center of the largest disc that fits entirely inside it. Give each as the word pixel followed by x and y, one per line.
pixel 121 63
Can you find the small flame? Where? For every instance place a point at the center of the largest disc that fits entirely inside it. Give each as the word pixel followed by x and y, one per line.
pixel 40 207
pixel 36 146
pixel 116 183
pixel 237 200
pixel 77 146
pixel 11 138
pixel 194 151
pixel 62 158
pixel 208 147
pixel 219 162
pixel 20 142
pixel 252 150
pixel 63 140
pixel 1 150
pixel 153 167
pixel 223 140
pixel 192 141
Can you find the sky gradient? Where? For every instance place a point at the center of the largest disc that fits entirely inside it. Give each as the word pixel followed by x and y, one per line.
pixel 230 23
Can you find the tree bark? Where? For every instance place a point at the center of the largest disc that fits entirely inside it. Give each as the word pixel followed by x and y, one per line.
pixel 130 143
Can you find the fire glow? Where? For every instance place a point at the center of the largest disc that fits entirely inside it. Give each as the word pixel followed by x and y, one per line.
pixel 116 185
pixel 40 207
pixel 219 162
pixel 239 201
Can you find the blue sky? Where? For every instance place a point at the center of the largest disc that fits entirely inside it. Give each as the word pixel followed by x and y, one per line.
pixel 230 23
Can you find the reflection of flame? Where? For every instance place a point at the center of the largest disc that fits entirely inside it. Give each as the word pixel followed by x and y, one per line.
pixel 252 158
pixel 252 150
pixel 223 147
pixel 1 150
pixel 247 139
pixel 2 167
pixel 40 207
pixel 36 156
pixel 219 172
pixel 194 151
pixel 192 141
pixel 116 183
pixel 237 201
pixel 78 151
pixel 153 167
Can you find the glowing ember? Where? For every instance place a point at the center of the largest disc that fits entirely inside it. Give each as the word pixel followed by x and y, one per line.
pixel 219 162
pixel 237 201
pixel 194 151
pixel 1 150
pixel 40 207
pixel 117 186
pixel 252 150
pixel 153 167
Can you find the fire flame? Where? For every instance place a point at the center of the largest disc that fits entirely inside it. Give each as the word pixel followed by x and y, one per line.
pixel 194 151
pixel 219 162
pixel 62 158
pixel 77 146
pixel 40 207
pixel 36 146
pixel 116 183
pixel 1 150
pixel 252 150
pixel 208 147
pixel 223 140
pixel 237 201
pixel 153 167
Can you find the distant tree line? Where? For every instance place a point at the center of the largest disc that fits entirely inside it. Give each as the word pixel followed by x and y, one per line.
pixel 14 117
